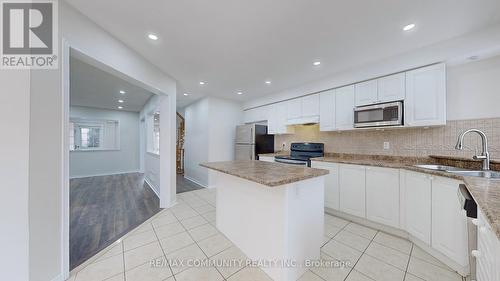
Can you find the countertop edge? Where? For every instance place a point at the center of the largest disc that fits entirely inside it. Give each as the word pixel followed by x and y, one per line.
pixel 292 179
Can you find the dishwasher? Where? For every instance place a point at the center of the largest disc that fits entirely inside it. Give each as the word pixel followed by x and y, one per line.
pixel 470 207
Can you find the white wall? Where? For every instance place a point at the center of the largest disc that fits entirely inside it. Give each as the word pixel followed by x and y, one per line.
pixel 14 161
pixel 210 133
pixel 124 160
pixel 474 90
pixel 151 161
pixel 46 151
pixel 196 141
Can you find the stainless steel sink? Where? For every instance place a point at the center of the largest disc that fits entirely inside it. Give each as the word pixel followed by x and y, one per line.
pixel 480 174
pixel 462 172
pixel 440 168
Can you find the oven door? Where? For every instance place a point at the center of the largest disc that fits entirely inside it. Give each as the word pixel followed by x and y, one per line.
pixel 291 161
pixel 379 115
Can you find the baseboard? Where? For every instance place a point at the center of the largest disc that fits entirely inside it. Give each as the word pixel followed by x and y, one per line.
pixel 104 174
pixel 195 181
pixel 152 187
pixel 58 278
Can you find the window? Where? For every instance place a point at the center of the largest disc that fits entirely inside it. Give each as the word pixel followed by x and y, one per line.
pixel 153 133
pixel 89 135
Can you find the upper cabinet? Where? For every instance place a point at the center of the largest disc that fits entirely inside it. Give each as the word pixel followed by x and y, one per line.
pixel 425 103
pixel 277 119
pixel 366 92
pixel 327 110
pixel 423 91
pixel 258 114
pixel 310 105
pixel 294 109
pixel 391 88
pixel 303 110
pixel 385 89
pixel 344 108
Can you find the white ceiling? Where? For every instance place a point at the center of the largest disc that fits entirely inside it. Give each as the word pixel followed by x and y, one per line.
pixel 237 45
pixel 93 87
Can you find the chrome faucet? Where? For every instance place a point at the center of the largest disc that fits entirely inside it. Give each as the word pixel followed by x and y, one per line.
pixel 485 155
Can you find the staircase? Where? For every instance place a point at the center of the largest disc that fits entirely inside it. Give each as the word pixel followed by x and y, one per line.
pixel 180 144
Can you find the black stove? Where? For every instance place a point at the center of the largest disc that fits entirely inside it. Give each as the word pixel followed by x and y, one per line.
pixel 301 153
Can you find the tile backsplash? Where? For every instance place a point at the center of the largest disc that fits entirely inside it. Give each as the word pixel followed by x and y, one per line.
pixel 415 142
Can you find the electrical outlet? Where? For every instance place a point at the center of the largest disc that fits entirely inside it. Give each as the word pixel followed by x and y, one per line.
pixel 387 145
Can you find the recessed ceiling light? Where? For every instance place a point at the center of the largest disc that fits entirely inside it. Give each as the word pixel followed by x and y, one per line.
pixel 120 107
pixel 122 92
pixel 316 63
pixel 120 101
pixel 239 93
pixel 409 27
pixel 268 82
pixel 202 83
pixel 152 36
pixel 186 95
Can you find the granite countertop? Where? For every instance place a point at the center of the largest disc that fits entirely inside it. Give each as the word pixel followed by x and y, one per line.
pixel 486 192
pixel 266 173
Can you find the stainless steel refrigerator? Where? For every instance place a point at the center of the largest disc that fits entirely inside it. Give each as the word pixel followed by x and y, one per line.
pixel 252 140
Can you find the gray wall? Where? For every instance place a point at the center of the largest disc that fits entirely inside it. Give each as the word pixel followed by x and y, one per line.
pixel 124 160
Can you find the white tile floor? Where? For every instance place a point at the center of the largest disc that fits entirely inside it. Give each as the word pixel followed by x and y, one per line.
pixel 187 232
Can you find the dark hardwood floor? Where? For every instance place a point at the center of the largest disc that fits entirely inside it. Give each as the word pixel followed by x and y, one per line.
pixel 104 208
pixel 184 185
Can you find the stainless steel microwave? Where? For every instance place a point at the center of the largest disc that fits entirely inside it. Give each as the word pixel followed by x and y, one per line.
pixel 379 115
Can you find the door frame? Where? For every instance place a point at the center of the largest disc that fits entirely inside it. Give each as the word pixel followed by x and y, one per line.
pixel 167 104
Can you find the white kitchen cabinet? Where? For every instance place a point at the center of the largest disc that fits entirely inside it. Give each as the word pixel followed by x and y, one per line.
pixel 416 190
pixel 277 120
pixel 352 189
pixel 382 195
pixel 303 110
pixel 344 108
pixel 366 92
pixel 294 109
pixel 392 88
pixel 449 222
pixel 487 253
pixel 266 158
pixel 310 105
pixel 425 103
pixel 331 183
pixel 327 111
pixel 258 114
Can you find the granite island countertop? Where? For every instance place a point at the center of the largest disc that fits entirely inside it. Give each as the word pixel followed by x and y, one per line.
pixel 486 192
pixel 265 173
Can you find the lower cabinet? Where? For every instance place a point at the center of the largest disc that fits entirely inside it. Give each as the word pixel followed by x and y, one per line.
pixel 487 253
pixel 449 222
pixel 352 189
pixel 331 183
pixel 416 195
pixel 382 195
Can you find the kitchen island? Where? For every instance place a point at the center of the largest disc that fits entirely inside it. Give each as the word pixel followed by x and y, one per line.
pixel 273 212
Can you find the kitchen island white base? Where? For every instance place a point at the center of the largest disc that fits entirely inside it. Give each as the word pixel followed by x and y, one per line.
pixel 273 226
